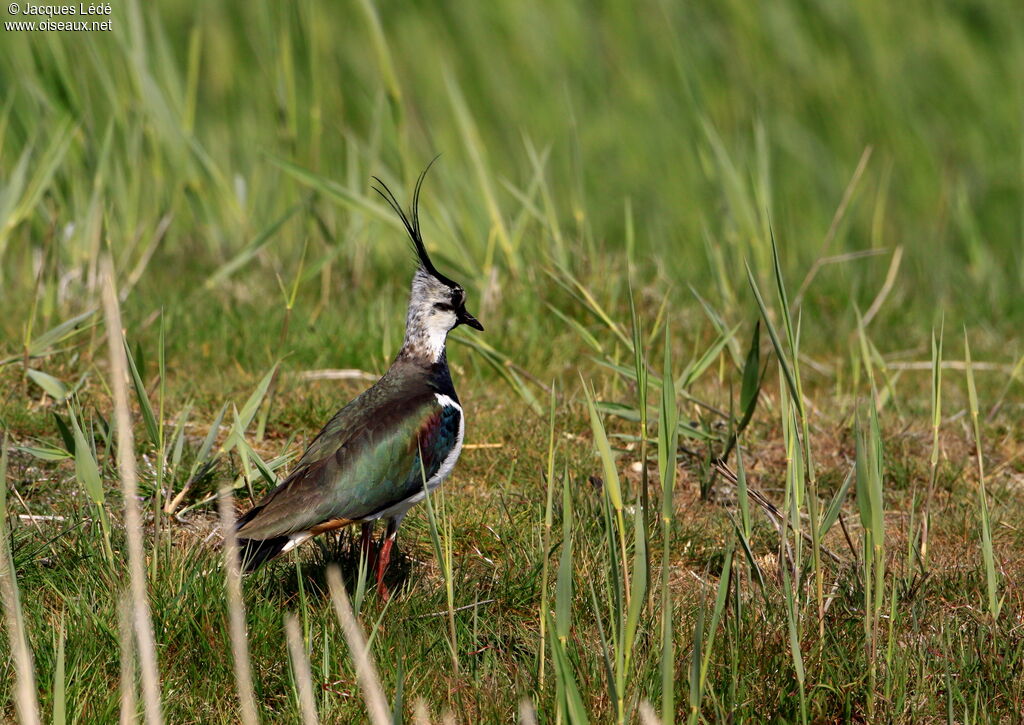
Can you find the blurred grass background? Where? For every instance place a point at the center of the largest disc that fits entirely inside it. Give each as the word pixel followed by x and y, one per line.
pixel 222 153
pixel 694 123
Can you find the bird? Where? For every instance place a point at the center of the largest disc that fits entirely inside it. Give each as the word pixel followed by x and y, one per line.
pixel 383 452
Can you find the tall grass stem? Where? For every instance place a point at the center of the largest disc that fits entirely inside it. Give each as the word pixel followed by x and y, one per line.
pixel 300 669
pixel 236 610
pixel 25 701
pixel 366 671
pixel 129 485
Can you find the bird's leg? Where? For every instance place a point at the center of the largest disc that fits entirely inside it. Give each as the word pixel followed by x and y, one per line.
pixel 366 542
pixel 385 557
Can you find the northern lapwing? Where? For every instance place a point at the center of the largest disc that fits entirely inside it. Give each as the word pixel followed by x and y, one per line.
pixel 372 458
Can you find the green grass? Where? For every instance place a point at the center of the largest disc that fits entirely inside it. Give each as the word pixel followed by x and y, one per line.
pixel 761 222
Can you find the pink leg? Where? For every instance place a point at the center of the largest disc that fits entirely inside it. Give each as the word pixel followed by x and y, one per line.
pixel 382 565
pixel 385 557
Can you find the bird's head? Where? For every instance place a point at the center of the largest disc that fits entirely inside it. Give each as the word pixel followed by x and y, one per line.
pixel 437 304
pixel 441 304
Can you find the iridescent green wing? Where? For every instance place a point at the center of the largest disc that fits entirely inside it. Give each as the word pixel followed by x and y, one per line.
pixel 353 474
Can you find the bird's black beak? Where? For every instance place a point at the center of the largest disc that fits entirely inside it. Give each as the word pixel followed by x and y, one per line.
pixel 464 318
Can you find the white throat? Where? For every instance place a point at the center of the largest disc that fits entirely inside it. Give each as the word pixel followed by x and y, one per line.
pixel 425 342
pixel 435 339
pixel 428 320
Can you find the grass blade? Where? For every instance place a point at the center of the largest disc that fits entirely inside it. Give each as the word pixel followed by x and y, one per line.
pixel 695 660
pixel 441 537
pixel 59 679
pixel 871 506
pixel 936 400
pixel 152 428
pixel 88 474
pixel 255 399
pixel 383 53
pixel 43 344
pixel 25 689
pixel 300 669
pixel 987 552
pixel 376 705
pixel 774 335
pixel 236 611
pixel 478 157
pixel 572 701
pixel 611 475
pixel 751 386
pixel 668 440
pixel 336 192
pixel 51 385
pixel 126 635
pixel 252 249
pixel 835 506
pixel 545 544
pixel 86 468
pixel 143 623
pixel 564 583
pixel 701 656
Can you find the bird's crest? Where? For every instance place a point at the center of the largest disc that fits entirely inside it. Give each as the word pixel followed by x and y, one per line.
pixel 411 222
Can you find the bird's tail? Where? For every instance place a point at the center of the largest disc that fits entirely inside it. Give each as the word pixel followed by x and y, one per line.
pixel 253 552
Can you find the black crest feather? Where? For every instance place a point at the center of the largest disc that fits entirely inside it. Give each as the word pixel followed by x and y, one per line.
pixel 411 221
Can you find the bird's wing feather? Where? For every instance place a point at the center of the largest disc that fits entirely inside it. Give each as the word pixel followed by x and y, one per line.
pixel 361 464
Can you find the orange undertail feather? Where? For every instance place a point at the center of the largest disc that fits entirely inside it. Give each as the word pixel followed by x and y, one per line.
pixel 330 525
